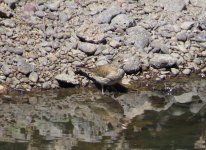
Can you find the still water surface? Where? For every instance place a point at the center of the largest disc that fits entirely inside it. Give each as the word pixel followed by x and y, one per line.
pixel 171 115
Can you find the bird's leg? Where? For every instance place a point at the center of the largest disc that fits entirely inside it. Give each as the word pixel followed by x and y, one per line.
pixel 102 89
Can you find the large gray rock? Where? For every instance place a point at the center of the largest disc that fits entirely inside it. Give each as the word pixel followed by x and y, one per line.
pixel 137 36
pixel 199 3
pixel 18 51
pixel 91 32
pixel 11 3
pixel 182 36
pixel 202 20
pixel 163 61
pixel 107 15
pixel 132 65
pixel 63 17
pixel 24 67
pixel 54 6
pixel 167 31
pixel 30 8
pixel 187 25
pixel 47 85
pixel 200 37
pixel 69 78
pixel 9 23
pixel 33 77
pixel 122 21
pixel 185 97
pixel 87 48
pixel 6 69
pixel 174 5
pixel 159 45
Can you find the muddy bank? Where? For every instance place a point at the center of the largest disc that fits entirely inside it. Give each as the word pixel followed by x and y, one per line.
pixel 41 41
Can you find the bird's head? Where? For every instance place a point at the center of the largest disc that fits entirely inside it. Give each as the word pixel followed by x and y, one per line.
pixel 119 62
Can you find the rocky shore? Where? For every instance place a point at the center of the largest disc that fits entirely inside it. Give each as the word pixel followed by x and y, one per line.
pixel 43 42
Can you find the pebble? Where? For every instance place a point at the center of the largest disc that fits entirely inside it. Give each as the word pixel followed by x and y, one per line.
pixel 87 48
pixel 69 78
pixel 24 67
pixel 107 15
pixel 186 71
pixel 9 23
pixel 33 76
pixel 182 36
pixel 6 69
pixel 122 21
pixel 163 61
pixel 54 6
pixel 187 25
pixel 174 71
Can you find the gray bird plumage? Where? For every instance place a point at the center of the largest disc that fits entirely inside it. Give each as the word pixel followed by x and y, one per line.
pixel 108 74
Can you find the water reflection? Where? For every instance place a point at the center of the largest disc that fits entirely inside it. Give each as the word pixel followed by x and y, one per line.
pixel 170 117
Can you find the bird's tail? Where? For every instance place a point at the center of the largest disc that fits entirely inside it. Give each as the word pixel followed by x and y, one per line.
pixel 83 71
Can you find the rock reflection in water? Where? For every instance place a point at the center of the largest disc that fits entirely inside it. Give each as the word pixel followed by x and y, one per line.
pixel 69 119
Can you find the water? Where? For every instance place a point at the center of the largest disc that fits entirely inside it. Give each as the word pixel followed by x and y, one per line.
pixel 169 115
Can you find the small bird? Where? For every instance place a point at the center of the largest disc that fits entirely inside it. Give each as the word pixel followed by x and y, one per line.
pixel 108 74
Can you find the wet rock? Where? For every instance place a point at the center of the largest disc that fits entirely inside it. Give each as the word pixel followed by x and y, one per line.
pixel 24 67
pixel 87 48
pixel 69 78
pixel 174 71
pixel 33 100
pixel 46 85
pixel 84 82
pixel 195 108
pixel 137 36
pixel 132 65
pixel 163 61
pixel 184 98
pixel 33 76
pixel 6 69
pixel 107 15
pixel 122 21
pixel 186 71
